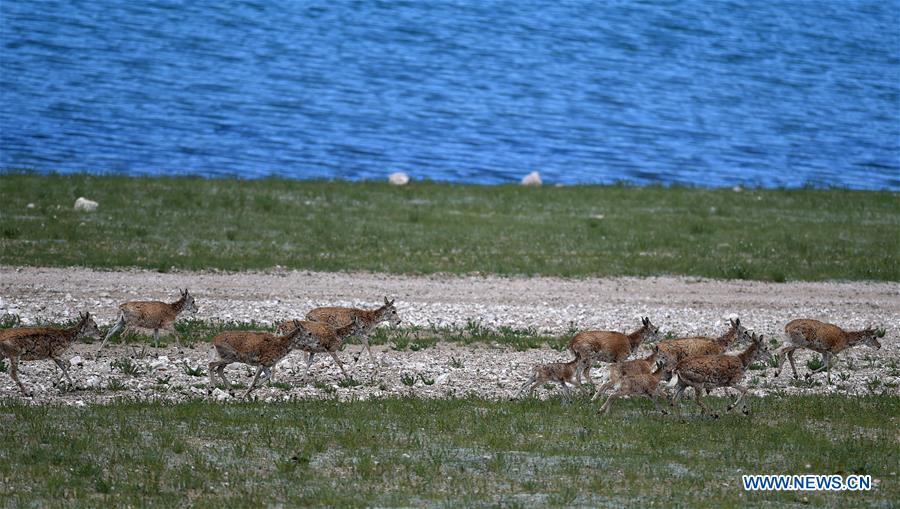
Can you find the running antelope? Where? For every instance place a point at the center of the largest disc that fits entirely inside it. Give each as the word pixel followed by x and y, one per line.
pixel 641 383
pixel 151 314
pixel 39 343
pixel 561 372
pixel 608 346
pixel 673 351
pixel 337 317
pixel 722 370
pixel 620 370
pixel 825 338
pixel 261 349
pixel 330 340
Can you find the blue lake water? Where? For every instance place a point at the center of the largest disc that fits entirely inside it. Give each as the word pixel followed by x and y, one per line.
pixel 768 93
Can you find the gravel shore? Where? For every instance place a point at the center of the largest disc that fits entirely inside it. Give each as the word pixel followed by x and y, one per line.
pixel 685 306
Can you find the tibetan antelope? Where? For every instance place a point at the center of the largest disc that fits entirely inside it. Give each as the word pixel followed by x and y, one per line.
pixel 326 339
pixel 721 370
pixel 673 351
pixel 38 343
pixel 620 370
pixel 152 314
pixel 636 384
pixel 261 349
pixel 825 338
pixel 561 372
pixel 608 346
pixel 337 317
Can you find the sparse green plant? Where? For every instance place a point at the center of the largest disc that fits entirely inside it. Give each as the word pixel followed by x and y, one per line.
pixel 805 383
pixel 115 385
pixel 408 379
pixel 815 364
pixel 3 366
pixel 127 366
pixel 455 363
pixel 193 370
pixel 349 382
pixel 281 385
pixel 401 341
pixel 324 387
pixel 163 380
pixel 10 320
pixel 425 380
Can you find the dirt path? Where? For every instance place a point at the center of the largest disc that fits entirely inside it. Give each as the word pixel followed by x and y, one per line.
pixel 681 305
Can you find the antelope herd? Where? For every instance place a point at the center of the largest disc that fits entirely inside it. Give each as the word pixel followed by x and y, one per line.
pixel 697 362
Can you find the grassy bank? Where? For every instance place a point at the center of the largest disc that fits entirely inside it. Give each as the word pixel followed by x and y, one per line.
pixel 192 223
pixel 414 452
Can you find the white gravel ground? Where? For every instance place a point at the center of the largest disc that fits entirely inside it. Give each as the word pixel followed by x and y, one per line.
pixel 684 306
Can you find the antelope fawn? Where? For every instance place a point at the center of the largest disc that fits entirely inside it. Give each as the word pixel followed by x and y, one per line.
pixel 620 370
pixel 673 351
pixel 337 317
pixel 721 370
pixel 261 349
pixel 825 338
pixel 38 343
pixel 330 340
pixel 151 314
pixel 608 346
pixel 561 372
pixel 640 383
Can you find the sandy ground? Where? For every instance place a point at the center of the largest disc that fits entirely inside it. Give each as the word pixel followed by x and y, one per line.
pixel 685 306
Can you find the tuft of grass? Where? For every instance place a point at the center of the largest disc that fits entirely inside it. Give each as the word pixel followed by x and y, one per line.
pixel 408 380
pixel 165 222
pixel 456 452
pixel 10 320
pixel 193 370
pixel 127 366
pixel 349 382
pixel 116 385
pixel 815 363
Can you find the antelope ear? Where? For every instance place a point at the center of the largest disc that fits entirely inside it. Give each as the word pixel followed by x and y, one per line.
pixel 645 320
pixel 736 322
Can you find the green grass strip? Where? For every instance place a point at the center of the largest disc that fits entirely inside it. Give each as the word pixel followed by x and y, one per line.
pixel 194 223
pixel 461 452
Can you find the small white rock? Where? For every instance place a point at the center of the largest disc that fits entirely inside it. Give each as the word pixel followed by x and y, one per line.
pixel 76 361
pixel 93 382
pixel 85 205
pixel 29 206
pixel 532 179
pixel 79 403
pixel 398 178
pixel 220 395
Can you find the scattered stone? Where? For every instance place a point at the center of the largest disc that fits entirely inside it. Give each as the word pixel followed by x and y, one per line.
pixel 532 179
pixel 93 382
pixel 398 179
pixel 76 361
pixel 85 205
pixel 29 206
pixel 220 395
